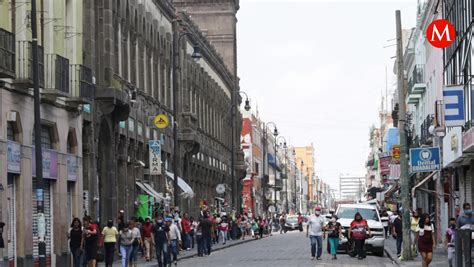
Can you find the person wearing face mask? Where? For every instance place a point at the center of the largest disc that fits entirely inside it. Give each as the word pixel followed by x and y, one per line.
pixel 398 232
pixel 110 234
pixel 426 239
pixel 358 232
pixel 450 241
pixel 161 238
pixel 316 223
pixel 333 230
pixel 466 218
pixel 415 219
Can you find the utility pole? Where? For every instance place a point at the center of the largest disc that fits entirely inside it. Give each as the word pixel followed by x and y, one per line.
pixel 175 111
pixel 41 221
pixel 264 181
pixel 404 178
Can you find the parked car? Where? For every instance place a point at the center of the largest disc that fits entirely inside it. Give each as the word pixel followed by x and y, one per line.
pixel 346 213
pixel 291 223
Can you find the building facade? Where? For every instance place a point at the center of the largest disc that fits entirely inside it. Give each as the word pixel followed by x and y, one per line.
pixel 351 187
pixel 306 154
pixel 65 85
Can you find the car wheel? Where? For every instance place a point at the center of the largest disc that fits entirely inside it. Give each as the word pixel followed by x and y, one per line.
pixel 379 252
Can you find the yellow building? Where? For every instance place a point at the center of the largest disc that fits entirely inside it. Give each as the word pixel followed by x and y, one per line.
pixel 305 157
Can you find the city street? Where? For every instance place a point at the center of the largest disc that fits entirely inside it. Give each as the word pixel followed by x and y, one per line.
pixel 291 249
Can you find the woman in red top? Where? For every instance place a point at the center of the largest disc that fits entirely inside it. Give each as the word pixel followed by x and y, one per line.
pixel 359 229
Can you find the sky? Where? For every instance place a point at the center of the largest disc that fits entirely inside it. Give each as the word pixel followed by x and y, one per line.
pixel 317 69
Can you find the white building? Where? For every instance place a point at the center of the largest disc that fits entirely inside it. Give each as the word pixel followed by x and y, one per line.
pixel 351 187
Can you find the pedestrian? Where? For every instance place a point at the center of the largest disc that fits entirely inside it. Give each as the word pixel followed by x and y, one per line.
pixel 137 242
pixel 243 225
pixel 199 238
pixel 333 231
pixel 255 228
pixel 314 230
pixel 126 243
pixel 414 220
pixel 186 226
pixel 206 228
pixel 192 233
pixel 261 226
pixel 450 242
pixel 75 241
pixel 300 222
pixel 223 228
pixel 174 239
pixel 161 239
pixel 425 234
pixel 90 234
pixel 384 217
pixel 466 218
pixel 282 222
pixel 148 239
pixel 110 234
pixel 358 232
pixel 397 232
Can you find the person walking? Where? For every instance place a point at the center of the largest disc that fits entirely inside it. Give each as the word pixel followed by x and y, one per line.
pixel 161 239
pixel 199 239
pixel 137 242
pixel 314 230
pixel 206 228
pixel 126 243
pixel 300 222
pixel 414 220
pixel 223 228
pixel 90 242
pixel 261 226
pixel 243 225
pixel 358 231
pixel 174 239
pixel 450 242
pixel 192 233
pixel 385 218
pixel 75 241
pixel 397 232
pixel 148 238
pixel 282 223
pixel 109 240
pixel 333 231
pixel 425 234
pixel 186 226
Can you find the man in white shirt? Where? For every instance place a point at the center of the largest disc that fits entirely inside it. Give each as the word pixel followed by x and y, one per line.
pixel 175 238
pixel 314 230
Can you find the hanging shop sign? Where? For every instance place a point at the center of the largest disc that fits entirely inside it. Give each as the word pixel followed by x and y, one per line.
pixel 155 157
pixel 453 99
pixel 426 159
pixel 395 152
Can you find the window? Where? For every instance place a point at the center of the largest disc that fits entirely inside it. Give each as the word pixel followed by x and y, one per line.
pixel 10 132
pixel 46 140
pixel 71 144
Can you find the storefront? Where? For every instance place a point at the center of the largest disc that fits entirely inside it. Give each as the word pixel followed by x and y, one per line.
pixel 465 179
pixel 14 170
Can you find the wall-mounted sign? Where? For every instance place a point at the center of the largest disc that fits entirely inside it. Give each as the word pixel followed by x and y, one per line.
pixel 155 157
pixel 395 152
pixel 71 162
pixel 453 98
pixel 13 157
pixel 425 159
pixel 50 164
pixel 161 121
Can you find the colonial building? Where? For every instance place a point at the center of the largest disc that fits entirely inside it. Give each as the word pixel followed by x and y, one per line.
pixel 65 84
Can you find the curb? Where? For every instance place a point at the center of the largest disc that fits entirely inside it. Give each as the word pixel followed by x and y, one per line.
pixel 392 256
pixel 217 249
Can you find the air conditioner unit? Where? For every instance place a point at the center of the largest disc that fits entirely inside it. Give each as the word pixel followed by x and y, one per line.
pixel 11 116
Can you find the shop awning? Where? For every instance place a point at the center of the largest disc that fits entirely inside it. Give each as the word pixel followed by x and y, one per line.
pixel 145 189
pixel 153 191
pixel 187 190
pixel 427 178
pixel 392 189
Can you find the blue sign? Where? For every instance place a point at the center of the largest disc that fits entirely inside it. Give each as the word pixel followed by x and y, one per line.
pixel 426 159
pixel 453 97
pixel 155 146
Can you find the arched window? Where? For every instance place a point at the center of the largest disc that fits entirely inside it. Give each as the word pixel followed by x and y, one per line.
pixel 71 144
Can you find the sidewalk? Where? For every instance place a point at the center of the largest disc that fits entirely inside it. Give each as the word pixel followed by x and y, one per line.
pixel 439 256
pixel 184 254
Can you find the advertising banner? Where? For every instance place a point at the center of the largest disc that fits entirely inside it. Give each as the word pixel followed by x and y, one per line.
pixel 155 157
pixel 13 157
pixel 50 164
pixel 426 159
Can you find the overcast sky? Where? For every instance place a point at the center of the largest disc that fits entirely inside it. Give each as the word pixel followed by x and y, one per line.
pixel 317 69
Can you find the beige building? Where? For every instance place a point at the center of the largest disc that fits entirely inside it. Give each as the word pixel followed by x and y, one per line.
pixel 306 155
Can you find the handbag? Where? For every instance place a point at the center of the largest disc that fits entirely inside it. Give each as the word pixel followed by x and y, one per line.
pixel 100 256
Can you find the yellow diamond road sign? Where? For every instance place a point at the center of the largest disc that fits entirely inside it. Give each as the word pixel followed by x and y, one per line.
pixel 161 121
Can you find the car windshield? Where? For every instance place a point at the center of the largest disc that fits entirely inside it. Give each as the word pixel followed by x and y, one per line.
pixel 292 220
pixel 349 213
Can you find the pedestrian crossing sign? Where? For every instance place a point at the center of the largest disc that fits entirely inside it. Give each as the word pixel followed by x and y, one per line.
pixel 161 121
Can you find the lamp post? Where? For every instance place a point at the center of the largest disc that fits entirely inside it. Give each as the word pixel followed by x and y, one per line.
pixel 177 36
pixel 285 170
pixel 232 157
pixel 301 186
pixel 265 160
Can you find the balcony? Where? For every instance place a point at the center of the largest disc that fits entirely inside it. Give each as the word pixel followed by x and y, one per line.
pixel 7 54
pixel 81 85
pixel 416 84
pixel 24 65
pixel 278 185
pixel 425 132
pixel 57 76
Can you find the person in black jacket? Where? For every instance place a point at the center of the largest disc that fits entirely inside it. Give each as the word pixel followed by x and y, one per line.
pixel 206 228
pixel 161 231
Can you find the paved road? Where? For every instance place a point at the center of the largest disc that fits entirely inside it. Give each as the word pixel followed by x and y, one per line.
pixel 291 249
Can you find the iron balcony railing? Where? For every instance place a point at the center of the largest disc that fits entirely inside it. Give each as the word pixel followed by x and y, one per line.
pixel 24 66
pixel 57 73
pixel 7 54
pixel 425 130
pixel 81 83
pixel 418 76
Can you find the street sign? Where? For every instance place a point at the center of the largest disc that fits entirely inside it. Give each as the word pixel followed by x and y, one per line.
pixel 396 152
pixel 155 157
pixel 161 121
pixel 453 98
pixel 271 209
pixel 220 189
pixel 425 159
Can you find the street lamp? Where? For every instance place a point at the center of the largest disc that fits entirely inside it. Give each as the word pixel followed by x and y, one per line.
pixel 301 186
pixel 196 55
pixel 265 159
pixel 285 170
pixel 233 113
